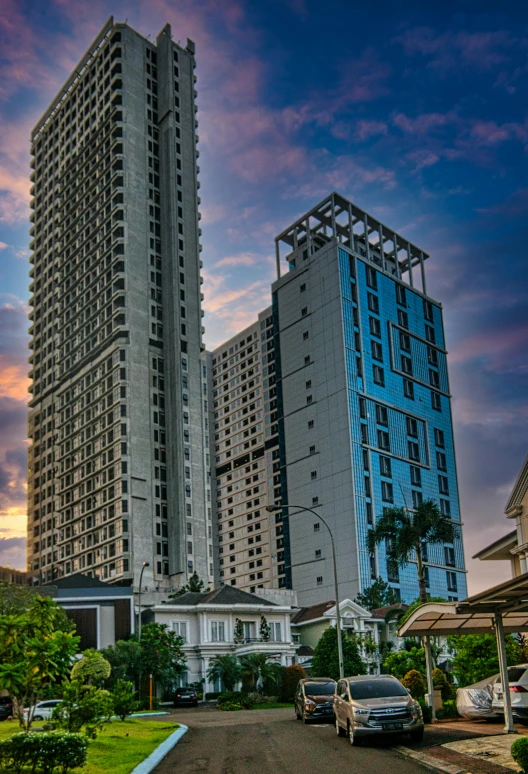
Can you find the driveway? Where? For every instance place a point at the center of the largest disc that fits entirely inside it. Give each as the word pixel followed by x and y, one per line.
pixel 272 742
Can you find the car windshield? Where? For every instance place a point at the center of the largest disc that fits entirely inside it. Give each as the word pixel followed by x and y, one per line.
pixel 319 689
pixel 514 674
pixel 376 689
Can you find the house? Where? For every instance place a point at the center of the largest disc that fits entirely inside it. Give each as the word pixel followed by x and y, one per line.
pixel 206 622
pixel 309 623
pixel 102 613
pixel 513 547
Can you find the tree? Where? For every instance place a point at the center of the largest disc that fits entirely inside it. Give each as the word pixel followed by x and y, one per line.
pixel 414 683
pixel 35 655
pixel 238 634
pixel 325 661
pixel 476 656
pixel 125 660
pixel 225 669
pixel 290 678
pixel 405 532
pixel 400 662
pixel 15 599
pixel 124 699
pixel 83 706
pixel 162 654
pixel 257 666
pixel 195 584
pixel 379 594
pixel 265 629
pixel 91 669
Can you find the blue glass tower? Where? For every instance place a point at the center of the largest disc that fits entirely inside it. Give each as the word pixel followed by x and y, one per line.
pixel 365 403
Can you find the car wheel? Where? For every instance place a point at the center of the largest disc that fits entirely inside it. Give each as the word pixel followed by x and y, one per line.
pixel 38 717
pixel 298 714
pixel 339 731
pixel 354 740
pixel 305 719
pixel 417 736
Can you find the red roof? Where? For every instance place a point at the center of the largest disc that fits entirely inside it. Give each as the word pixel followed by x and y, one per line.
pixel 315 611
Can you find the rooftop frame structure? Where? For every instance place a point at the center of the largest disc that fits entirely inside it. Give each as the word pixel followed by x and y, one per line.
pixel 336 219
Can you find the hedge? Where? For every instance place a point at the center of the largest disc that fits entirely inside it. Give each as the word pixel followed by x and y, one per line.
pixel 44 751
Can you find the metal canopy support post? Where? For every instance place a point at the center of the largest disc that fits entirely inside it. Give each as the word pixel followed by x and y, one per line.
pixel 429 671
pixel 509 728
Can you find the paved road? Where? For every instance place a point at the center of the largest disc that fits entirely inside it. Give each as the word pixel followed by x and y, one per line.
pixel 272 742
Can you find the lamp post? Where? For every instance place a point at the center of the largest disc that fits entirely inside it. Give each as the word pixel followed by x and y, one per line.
pixel 145 564
pixel 274 508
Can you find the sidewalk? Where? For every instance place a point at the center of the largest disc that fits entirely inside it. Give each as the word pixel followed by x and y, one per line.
pixel 466 747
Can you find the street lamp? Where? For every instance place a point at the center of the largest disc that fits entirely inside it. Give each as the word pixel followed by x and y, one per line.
pixel 276 507
pixel 145 564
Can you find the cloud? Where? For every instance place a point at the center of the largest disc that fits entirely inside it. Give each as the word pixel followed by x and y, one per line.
pixel 13 552
pixel 243 259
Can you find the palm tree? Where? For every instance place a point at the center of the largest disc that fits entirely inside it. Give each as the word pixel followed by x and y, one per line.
pixel 226 669
pixel 256 665
pixel 407 531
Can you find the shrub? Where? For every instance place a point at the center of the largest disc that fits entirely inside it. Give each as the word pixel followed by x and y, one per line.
pixel 124 699
pixel 231 706
pixel 290 678
pixel 212 695
pixel 426 711
pixel 45 751
pixel 414 683
pixel 449 709
pixel 246 700
pixel 91 669
pixel 83 706
pixel 519 752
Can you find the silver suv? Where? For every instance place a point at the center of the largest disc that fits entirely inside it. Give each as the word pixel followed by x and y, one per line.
pixel 376 704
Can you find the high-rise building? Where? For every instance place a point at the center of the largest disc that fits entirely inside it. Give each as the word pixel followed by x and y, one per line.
pixel 245 455
pixel 364 402
pixel 118 464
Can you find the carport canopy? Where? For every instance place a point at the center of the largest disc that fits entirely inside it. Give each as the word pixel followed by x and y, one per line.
pixel 500 609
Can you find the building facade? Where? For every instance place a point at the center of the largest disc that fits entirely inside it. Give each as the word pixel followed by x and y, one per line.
pixel 118 462
pixel 245 453
pixel 363 400
pixel 207 624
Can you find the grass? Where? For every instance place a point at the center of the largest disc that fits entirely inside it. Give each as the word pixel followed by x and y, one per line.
pixel 120 747
pixel 273 705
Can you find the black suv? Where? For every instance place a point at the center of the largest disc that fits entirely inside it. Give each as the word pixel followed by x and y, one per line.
pixel 186 696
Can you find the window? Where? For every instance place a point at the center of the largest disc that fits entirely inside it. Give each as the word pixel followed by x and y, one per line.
pixel 218 631
pixel 436 401
pixel 372 277
pixel 383 440
pixel 451 581
pixel 319 580
pixel 393 573
pixel 417 498
pixel 375 327
pixel 445 508
pixel 430 334
pixel 385 467
pixel 376 350
pixel 373 303
pixel 379 376
pixel 413 451
pixel 428 310
pixel 439 438
pixel 403 319
pixel 306 335
pixel 310 424
pixel 180 628
pixel 387 492
pixel 372 562
pixel 364 434
pixel 412 426
pixel 443 485
pixel 304 311
pixel 313 475
pixel 405 341
pixel 408 389
pixel 363 408
pixel 370 517
pixel 416 476
pixel 434 378
pixel 449 556
pixel 276 631
pixel 317 527
pixel 382 415
pixel 432 356
pixel 441 461
pixel 303 287
pixel 400 295
pixel 406 364
pixel 307 360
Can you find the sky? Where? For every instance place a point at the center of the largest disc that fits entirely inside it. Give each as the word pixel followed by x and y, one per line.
pixel 416 112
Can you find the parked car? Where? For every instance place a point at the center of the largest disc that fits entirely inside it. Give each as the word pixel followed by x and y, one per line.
pixel 186 696
pixel 6 708
pixel 43 710
pixel 518 680
pixel 314 698
pixel 376 704
pixel 474 701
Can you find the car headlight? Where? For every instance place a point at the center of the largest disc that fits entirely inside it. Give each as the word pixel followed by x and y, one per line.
pixel 416 710
pixel 309 704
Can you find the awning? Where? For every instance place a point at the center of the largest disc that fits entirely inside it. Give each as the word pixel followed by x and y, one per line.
pixel 503 608
pixel 475 614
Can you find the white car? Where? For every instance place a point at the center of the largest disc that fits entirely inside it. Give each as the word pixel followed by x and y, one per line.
pixel 43 710
pixel 518 680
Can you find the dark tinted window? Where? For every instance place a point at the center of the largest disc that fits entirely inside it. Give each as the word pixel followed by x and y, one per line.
pixel 319 689
pixel 514 674
pixel 376 689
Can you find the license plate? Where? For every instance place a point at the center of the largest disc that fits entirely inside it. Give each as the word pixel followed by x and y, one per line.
pixel 393 726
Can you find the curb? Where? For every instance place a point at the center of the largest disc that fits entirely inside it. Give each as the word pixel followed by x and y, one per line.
pixel 428 762
pixel 155 757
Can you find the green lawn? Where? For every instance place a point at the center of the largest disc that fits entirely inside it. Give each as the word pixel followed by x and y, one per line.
pixel 120 747
pixel 273 705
